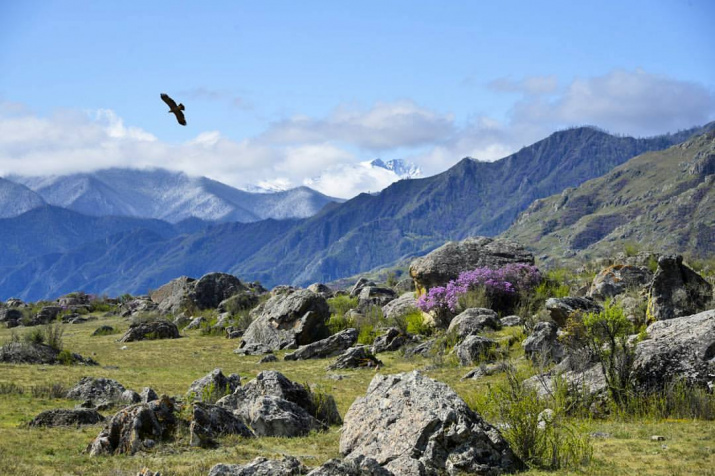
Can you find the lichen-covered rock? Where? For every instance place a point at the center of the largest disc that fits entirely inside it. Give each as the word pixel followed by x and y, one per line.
pixel 617 279
pixel 322 289
pixel 288 321
pixel 329 347
pixel 136 306
pixel 211 421
pixel 254 348
pixel 542 345
pixel 136 427
pixel 214 384
pixel 375 296
pixel 561 309
pixel 100 391
pixel 148 395
pixel 446 262
pixel 67 417
pixel 412 424
pixel 473 321
pixel 404 304
pixel 32 353
pixel 275 416
pixel 354 358
pixel 679 348
pixel 677 290
pixel 268 359
pixel 288 466
pixel 391 340
pixel 103 330
pixel 205 293
pixel 150 331
pixel 361 283
pixel 357 466
pixel 511 321
pixel 473 349
pixel 195 323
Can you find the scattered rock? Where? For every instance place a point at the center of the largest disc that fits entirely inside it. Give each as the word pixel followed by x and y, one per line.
pixel 361 283
pixel 151 330
pixel 31 353
pixel 561 309
pixel 590 381
pixel 46 315
pixel 288 466
pixel 322 289
pixel 618 279
pixel 10 316
pixel 211 421
pixel 268 359
pixel 275 416
pixel 100 391
pixel 65 417
pixel 195 323
pixel 128 396
pixel 511 321
pixel 354 358
pixel 254 348
pixel 213 288
pixel 375 296
pixel 657 438
pixel 391 340
pixel 473 321
pixel 424 349
pixel 137 306
pixel 677 290
pixel 473 349
pixel 330 347
pixel 233 332
pixel 213 385
pixel 542 345
pixel 485 370
pixel 447 261
pixel 411 424
pixel 148 395
pixel 401 306
pixel 358 466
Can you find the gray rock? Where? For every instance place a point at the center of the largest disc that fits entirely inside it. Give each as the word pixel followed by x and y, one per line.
pixel 268 359
pixel 102 330
pixel 195 323
pixel 361 283
pixel 136 427
pixel 151 330
pixel 679 348
pixel 213 288
pixel 233 332
pixel 213 386
pixel 358 466
pixel 542 345
pixel 447 261
pixel 100 391
pixel 211 421
pixel 375 296
pixel 405 285
pixel 412 424
pixel 173 297
pixel 404 304
pixel 254 348
pixel 148 395
pixel 391 340
pixel 330 347
pixel 485 370
pixel 560 309
pixel 473 349
pixel 288 466
pixel 238 302
pixel 288 321
pixel 46 315
pixel 354 358
pixel 137 306
pixel 31 353
pixel 65 417
pixel 618 279
pixel 511 321
pixel 589 381
pixel 128 396
pixel 424 349
pixel 322 289
pixel 275 416
pixel 10 315
pixel 473 321
pixel 677 290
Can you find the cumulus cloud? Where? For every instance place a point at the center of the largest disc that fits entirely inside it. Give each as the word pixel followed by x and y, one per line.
pixel 347 180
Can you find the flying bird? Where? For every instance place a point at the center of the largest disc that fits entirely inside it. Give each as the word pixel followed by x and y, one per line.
pixel 174 108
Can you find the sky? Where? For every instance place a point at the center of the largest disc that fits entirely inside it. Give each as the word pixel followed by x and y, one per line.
pixel 282 92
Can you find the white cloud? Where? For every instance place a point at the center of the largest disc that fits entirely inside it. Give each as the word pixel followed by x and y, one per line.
pixel 529 85
pixel 348 180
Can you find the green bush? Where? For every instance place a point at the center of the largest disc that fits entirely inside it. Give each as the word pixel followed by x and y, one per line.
pixel 35 336
pixel 367 334
pixel 65 357
pixel 54 335
pixel 415 324
pixel 339 305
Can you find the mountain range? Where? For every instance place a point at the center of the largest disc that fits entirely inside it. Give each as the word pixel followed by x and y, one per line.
pixel 408 218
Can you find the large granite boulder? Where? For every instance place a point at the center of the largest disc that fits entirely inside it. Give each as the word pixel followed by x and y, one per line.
pixel 289 320
pixel 213 288
pixel 375 296
pixel 473 321
pixel 137 306
pixel 46 315
pixel 404 304
pixel 677 290
pixel 135 428
pixel 211 421
pixel 561 309
pixel 447 261
pixel 288 466
pixel 173 297
pixel 679 348
pixel 32 353
pixel 10 316
pixel 618 279
pixel 98 391
pixel 322 289
pixel 275 416
pixel 330 347
pixel 413 425
pixel 542 345
pixel 213 386
pixel 151 330
pixel 361 283
pixel 355 358
pixel 474 349
pixel 588 380
pixel 67 417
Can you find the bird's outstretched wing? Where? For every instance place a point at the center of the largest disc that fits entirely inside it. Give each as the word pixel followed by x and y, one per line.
pixel 180 117
pixel 169 102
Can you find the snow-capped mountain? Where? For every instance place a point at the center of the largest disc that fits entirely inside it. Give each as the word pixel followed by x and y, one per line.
pixel 402 168
pixel 170 196
pixel 16 199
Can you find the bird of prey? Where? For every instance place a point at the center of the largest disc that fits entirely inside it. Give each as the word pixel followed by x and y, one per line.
pixel 174 108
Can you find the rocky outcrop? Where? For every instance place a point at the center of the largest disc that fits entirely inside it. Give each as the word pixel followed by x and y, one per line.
pixel 679 348
pixel 561 309
pixel 474 349
pixel 137 306
pixel 375 296
pixel 361 283
pixel 31 353
pixel 67 417
pixel 357 466
pixel 10 316
pixel 148 395
pixel 355 358
pixel 46 315
pixel 447 261
pixel 589 380
pixel 211 421
pixel 275 416
pixel 213 386
pixel 288 321
pixel 677 290
pixel 330 347
pixel 98 392
pixel 288 466
pixel 404 304
pixel 618 279
pixel 186 293
pixel 473 321
pixel 135 428
pixel 391 340
pixel 542 345
pixel 511 321
pixel 322 289
pixel 411 424
pixel 103 330
pixel 152 330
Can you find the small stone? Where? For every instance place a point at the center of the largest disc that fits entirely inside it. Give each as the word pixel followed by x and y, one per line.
pixel 657 438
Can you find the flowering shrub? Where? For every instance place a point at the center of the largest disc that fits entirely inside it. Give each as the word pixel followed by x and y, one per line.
pixel 505 281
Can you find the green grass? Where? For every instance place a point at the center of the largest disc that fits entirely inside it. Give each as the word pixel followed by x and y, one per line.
pixel 169 366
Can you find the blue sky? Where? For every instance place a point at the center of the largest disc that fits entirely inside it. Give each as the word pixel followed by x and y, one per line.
pixel 286 90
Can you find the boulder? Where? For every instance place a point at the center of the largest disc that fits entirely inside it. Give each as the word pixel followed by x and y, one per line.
pixel 99 391
pixel 391 340
pixel 268 359
pixel 358 466
pixel 10 316
pixel 288 321
pixel 322 289
pixel 511 321
pixel 172 297
pixel 238 302
pixel 67 417
pixel 254 348
pixel 404 304
pixel 275 416
pixel 589 381
pixel 411 424
pixel 137 306
pixel 46 315
pixel 128 396
pixel 404 285
pixel 148 395
pixel 288 466
pixel 355 357
pixel 136 427
pixel 375 296
pixel 103 330
pixel 152 330
pixel 560 309
pixel 618 279
pixel 73 300
pixel 542 345
pixel 473 349
pixel 485 370
pixel 361 283
pixel 330 347
pixel 677 290
pixel 424 349
pixel 213 386
pixel 446 262
pixel 678 348
pixel 195 323
pixel 32 353
pixel 213 288
pixel 211 421
pixel 473 321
